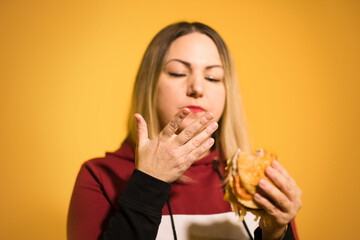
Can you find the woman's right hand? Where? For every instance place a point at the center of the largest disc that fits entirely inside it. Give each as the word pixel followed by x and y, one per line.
pixel 169 155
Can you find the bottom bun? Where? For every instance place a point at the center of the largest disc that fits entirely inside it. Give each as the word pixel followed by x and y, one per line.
pixel 250 204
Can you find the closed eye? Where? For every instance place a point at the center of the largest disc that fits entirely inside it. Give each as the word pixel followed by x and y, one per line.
pixel 212 79
pixel 177 74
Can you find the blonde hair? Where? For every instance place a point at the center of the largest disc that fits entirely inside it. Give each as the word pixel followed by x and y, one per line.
pixel 232 132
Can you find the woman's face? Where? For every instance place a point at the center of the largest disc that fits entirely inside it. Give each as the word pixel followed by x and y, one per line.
pixel 192 77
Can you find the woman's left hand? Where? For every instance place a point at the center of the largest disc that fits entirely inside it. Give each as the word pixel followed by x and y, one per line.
pixel 281 201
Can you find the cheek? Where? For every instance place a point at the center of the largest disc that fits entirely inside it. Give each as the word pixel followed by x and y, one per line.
pixel 218 99
pixel 166 102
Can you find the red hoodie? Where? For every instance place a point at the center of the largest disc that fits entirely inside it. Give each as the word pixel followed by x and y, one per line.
pixel 113 200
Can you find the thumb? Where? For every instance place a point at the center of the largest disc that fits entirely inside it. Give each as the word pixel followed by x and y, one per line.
pixel 141 128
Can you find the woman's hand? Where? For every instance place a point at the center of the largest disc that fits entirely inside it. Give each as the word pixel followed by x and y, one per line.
pixel 281 202
pixel 169 155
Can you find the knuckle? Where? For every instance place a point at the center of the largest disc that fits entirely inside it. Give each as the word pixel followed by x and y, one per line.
pixel 180 166
pixel 299 205
pixel 171 152
pixel 188 133
pixel 195 154
pixel 286 174
pixel 188 161
pixel 300 192
pixel 292 214
pixel 209 130
pixel 192 156
pixel 199 152
pixel 287 187
pixel 203 121
pixel 196 143
pixel 292 181
pixel 284 219
pixel 272 211
pixel 173 125
pixel 282 203
pixel 204 148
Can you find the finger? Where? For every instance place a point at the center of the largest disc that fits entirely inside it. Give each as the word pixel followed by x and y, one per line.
pixel 189 132
pixel 267 205
pixel 284 182
pixel 141 128
pixel 174 124
pixel 275 195
pixel 296 196
pixel 276 164
pixel 199 151
pixel 201 137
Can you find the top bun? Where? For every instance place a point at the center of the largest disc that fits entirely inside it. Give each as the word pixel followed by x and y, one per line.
pixel 245 171
pixel 251 168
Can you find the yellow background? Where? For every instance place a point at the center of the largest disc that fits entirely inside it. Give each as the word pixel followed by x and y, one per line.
pixel 67 70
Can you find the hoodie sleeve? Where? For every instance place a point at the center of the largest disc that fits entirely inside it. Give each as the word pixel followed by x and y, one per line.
pixel 140 209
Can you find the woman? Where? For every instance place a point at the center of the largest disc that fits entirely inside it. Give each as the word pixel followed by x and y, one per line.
pixel 188 121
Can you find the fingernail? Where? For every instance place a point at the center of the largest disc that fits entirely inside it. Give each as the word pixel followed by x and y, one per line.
pixel 214 126
pixel 262 183
pixel 136 116
pixel 185 112
pixel 269 170
pixel 257 196
pixel 275 163
pixel 210 141
pixel 208 116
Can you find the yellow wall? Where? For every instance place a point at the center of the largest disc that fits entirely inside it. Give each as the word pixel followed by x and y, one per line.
pixel 67 67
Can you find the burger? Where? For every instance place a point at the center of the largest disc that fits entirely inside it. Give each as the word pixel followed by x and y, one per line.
pixel 244 172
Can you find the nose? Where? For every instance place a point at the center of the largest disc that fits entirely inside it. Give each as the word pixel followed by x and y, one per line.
pixel 195 86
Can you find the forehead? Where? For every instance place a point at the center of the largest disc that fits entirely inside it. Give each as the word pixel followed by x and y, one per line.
pixel 195 48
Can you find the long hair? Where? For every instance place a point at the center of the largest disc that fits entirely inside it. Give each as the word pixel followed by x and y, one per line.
pixel 232 132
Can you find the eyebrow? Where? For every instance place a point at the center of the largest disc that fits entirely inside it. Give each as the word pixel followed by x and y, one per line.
pixel 188 64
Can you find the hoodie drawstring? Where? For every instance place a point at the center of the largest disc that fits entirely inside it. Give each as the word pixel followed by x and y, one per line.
pixel 223 183
pixel 172 219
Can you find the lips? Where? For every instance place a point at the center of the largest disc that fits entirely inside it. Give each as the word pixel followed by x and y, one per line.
pixel 195 109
